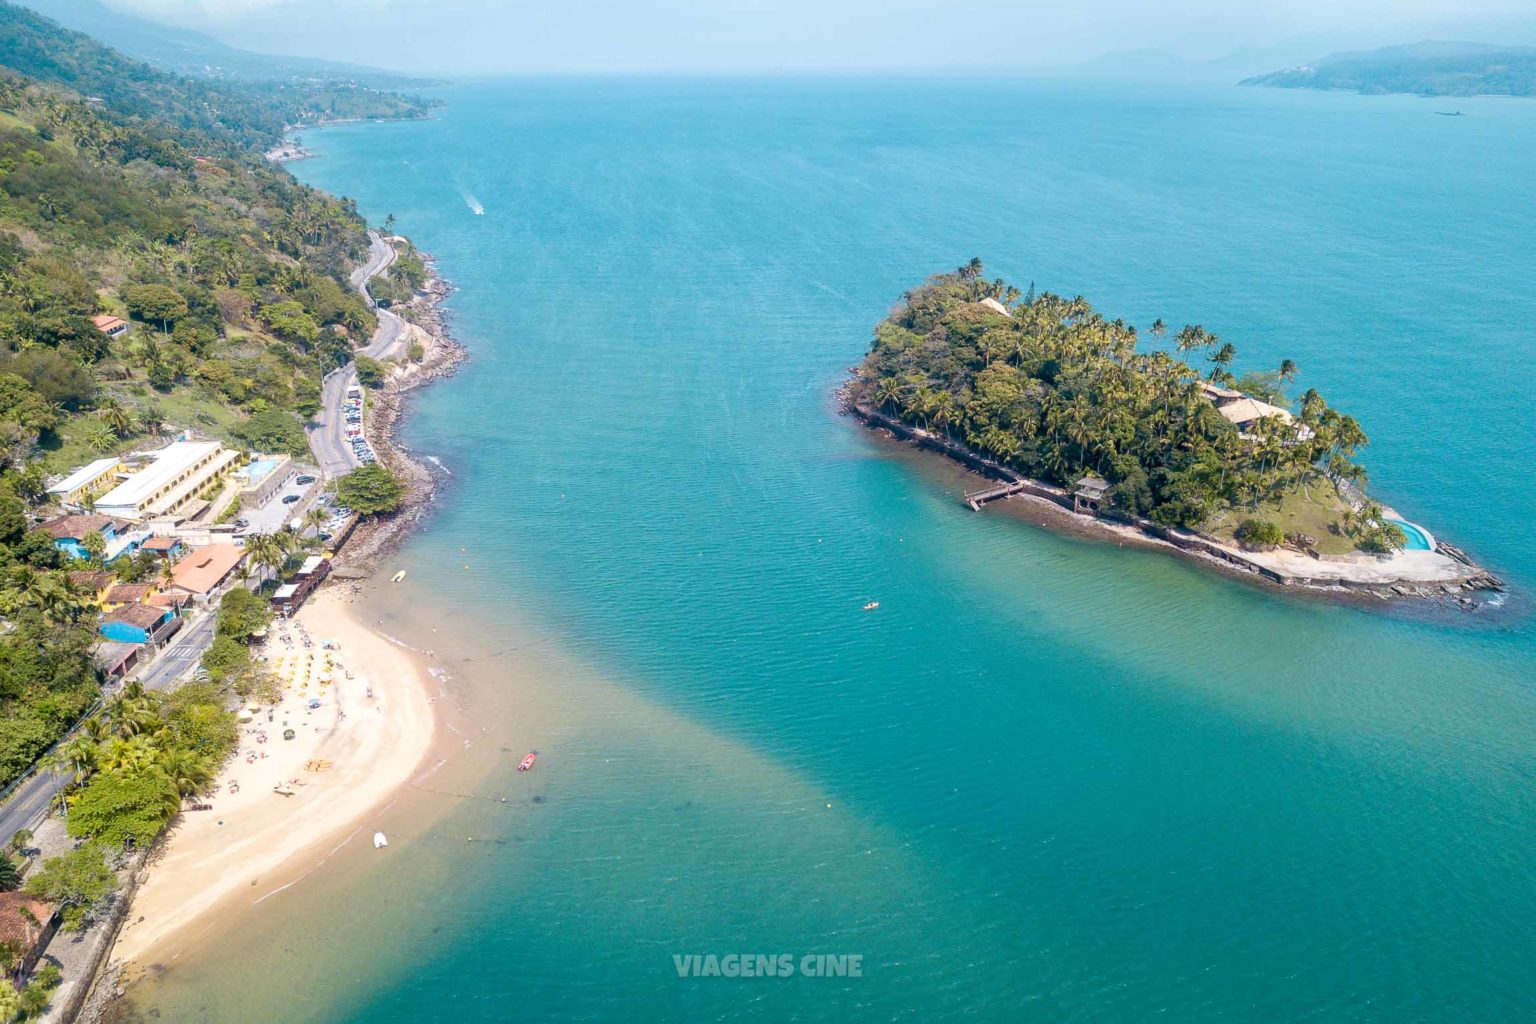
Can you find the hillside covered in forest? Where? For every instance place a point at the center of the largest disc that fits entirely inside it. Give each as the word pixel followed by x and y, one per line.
pixel 129 194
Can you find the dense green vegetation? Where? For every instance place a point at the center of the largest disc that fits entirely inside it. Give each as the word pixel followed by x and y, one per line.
pixel 129 192
pixel 242 616
pixel 230 117
pixel 1425 69
pixel 370 490
pixel 1055 390
pixel 129 769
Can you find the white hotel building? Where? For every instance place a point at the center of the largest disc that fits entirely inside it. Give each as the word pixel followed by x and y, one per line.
pixel 178 476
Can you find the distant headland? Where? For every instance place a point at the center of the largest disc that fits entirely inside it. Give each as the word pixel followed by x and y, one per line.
pixel 1423 69
pixel 1055 403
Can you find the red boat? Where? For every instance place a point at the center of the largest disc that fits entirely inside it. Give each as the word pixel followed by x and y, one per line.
pixel 527 763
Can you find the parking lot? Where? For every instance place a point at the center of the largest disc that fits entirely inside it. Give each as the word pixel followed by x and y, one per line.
pixel 352 410
pixel 293 500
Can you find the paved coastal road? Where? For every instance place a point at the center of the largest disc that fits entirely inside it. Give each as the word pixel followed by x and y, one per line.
pixel 30 800
pixel 328 436
pixel 183 653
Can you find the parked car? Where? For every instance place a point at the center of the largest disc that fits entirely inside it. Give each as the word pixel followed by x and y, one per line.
pixel 289 499
pixel 305 480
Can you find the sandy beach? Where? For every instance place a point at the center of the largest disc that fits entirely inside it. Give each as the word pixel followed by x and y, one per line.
pixel 349 755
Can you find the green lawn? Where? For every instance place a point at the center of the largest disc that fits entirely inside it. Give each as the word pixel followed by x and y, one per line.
pixel 187 406
pixel 1315 510
pixel 192 407
pixel 70 451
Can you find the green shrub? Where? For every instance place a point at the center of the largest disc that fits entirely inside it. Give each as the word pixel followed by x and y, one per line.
pixel 370 372
pixel 1259 533
pixel 1382 539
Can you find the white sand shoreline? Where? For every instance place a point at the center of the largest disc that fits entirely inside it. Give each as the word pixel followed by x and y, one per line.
pixel 347 762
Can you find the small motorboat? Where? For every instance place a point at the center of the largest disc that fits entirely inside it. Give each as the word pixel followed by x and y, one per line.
pixel 872 606
pixel 379 842
pixel 397 577
pixel 527 763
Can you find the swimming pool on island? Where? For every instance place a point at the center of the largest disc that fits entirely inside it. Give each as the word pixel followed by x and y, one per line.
pixel 1418 538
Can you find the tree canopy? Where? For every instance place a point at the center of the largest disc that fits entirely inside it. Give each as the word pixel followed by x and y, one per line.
pixel 79 883
pixel 1054 389
pixel 370 490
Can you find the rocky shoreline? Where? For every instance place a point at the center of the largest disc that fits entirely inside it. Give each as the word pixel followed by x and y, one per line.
pixel 358 556
pixel 1051 507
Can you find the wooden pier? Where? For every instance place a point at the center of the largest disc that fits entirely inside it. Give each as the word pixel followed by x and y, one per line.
pixel 976 499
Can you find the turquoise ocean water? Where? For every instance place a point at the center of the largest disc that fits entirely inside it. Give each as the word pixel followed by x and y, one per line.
pixel 1049 779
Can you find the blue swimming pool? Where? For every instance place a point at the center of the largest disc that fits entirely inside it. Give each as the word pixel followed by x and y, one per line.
pixel 258 469
pixel 1418 539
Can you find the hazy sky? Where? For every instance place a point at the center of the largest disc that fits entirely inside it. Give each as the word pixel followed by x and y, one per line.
pixel 799 35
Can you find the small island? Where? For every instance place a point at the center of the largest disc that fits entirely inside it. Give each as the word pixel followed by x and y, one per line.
pixel 1057 404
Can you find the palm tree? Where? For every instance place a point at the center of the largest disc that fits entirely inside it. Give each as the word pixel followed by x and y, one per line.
pixel 887 392
pixel 101 438
pixel 115 417
pixel 79 758
pixel 128 717
pixel 315 518
pixel 150 419
pixel 1287 370
pixel 10 875
pixel 187 772
pixel 266 552
pixel 25 587
pixel 126 755
pixel 1222 358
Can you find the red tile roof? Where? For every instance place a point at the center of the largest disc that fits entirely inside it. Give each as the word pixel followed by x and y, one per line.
pixel 128 593
pixel 142 615
pixel 76 527
pixel 205 568
pixel 22 919
pixel 92 580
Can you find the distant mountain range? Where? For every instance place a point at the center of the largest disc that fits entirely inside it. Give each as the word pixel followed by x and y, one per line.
pixel 186 52
pixel 1424 69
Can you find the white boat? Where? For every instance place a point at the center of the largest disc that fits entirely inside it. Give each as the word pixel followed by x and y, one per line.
pixel 397 577
pixel 379 842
